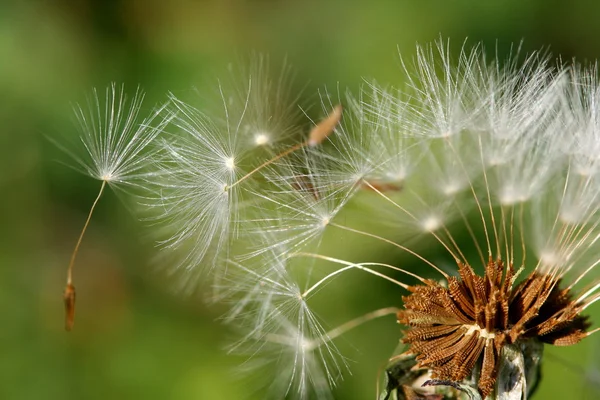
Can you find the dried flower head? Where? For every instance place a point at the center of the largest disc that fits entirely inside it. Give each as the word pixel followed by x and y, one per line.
pixel 452 328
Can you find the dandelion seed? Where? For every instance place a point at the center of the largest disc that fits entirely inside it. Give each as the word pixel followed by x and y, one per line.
pixel 261 139
pixel 431 224
pixel 263 96
pixel 115 144
pixel 114 140
pixel 230 163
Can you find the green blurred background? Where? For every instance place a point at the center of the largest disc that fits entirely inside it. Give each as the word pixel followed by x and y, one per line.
pixel 132 339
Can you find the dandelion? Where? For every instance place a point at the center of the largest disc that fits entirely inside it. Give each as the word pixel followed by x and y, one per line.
pixel 113 148
pixel 496 151
pixel 483 173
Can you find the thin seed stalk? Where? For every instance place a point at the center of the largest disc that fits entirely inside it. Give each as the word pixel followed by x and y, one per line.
pixel 69 293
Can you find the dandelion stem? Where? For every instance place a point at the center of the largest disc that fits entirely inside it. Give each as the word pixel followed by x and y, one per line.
pixel 69 293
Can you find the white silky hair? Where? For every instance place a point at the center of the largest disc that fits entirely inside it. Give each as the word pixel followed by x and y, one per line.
pixel 115 142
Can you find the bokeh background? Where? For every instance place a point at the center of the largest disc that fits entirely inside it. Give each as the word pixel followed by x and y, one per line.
pixel 133 337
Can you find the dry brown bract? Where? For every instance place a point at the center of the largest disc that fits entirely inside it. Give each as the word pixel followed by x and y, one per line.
pixel 452 328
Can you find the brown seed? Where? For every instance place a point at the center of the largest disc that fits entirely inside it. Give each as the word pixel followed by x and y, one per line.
pixel 303 184
pixel 324 128
pixel 69 299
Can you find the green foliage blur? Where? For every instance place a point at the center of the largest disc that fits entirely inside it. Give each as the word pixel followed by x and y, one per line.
pixel 134 338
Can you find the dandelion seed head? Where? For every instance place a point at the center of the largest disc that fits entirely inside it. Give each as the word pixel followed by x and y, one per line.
pixel 107 177
pixel 261 138
pixel 397 176
pixel 451 188
pixel 431 224
pixel 571 214
pixel 230 163
pixel 496 160
pixel 115 144
pixel 262 101
pixel 550 259
pixel 510 195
